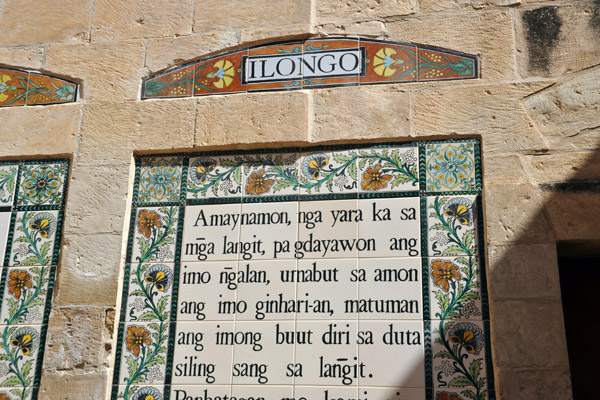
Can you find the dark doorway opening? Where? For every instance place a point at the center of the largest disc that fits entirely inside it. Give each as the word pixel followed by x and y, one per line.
pixel 579 269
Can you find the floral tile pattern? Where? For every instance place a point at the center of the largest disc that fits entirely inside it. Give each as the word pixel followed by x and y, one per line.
pixel 19 88
pixel 41 184
pixel 329 172
pixel 452 226
pixel 154 238
pixel 435 64
pixel 150 288
pixel 389 169
pixel 34 238
pixel 450 167
pixel 140 392
pixel 19 352
pixel 25 292
pixel 160 180
pixel 215 177
pixel 176 83
pixel 270 175
pixel 8 179
pixel 387 62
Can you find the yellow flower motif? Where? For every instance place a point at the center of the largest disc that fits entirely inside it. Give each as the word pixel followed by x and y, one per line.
pixel 383 62
pixel 4 87
pixel 225 73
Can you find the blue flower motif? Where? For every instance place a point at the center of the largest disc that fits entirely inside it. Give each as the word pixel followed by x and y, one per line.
pixel 314 164
pixel 461 209
pixel 201 169
pixel 148 393
pixel 160 276
pixel 467 335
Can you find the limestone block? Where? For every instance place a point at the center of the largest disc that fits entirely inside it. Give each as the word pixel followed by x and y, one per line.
pixel 375 29
pixel 534 384
pixel 528 334
pixel 270 117
pixel 75 339
pixel 266 34
pixel 44 131
pixel 132 19
pixel 514 214
pixel 241 14
pixel 523 271
pixel 90 268
pixel 573 212
pixel 166 52
pixel 25 22
pixel 493 112
pixel 111 132
pixel 568 114
pixel 73 386
pixel 563 167
pixel 503 168
pixel 97 199
pixel 440 5
pixel 328 11
pixel 553 41
pixel 493 43
pixel 360 112
pixel 28 58
pixel 109 71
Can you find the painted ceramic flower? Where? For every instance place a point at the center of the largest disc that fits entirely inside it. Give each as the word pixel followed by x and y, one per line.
pixel 383 62
pixel 374 178
pixel 161 180
pixel 160 276
pixel 65 92
pixel 137 338
pixel 41 184
pixel 451 167
pixel 146 393
pixel 201 169
pixel 24 338
pixel 4 396
pixel 447 396
pixel 467 335
pixel 257 184
pixel 461 209
pixel 314 164
pixel 4 87
pixel 225 73
pixel 43 223
pixel 444 273
pixel 18 282
pixel 148 221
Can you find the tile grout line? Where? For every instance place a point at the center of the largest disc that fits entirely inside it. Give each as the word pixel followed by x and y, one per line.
pixel 92 12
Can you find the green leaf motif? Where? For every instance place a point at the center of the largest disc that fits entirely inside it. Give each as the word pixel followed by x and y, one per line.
pixel 137 292
pixel 33 260
pixel 437 227
pixel 237 176
pixel 21 239
pixel 453 251
pixel 475 368
pixel 26 368
pixel 13 307
pixel 469 394
pixel 155 361
pixel 11 381
pixel 44 249
pixel 148 316
pixel 162 304
pixel 131 365
pixel 460 381
pixel 281 184
pixel 442 301
pixel 352 171
pixel 468 238
pixel 400 179
pixel 443 354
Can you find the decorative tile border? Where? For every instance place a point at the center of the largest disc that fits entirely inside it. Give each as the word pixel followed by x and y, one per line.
pixel 20 88
pixel 314 63
pixel 32 196
pixel 161 313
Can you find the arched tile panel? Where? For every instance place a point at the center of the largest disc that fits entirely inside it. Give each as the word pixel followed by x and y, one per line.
pixel 25 88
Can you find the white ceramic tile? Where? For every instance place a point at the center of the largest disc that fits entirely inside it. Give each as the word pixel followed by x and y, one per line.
pixel 268 175
pixel 328 172
pixel 323 392
pixel 33 238
pixel 203 353
pixel 4 227
pixel 266 293
pixel 330 288
pixel 393 225
pixel 150 289
pixel 269 230
pixel 388 169
pixel 155 234
pixel 207 291
pixel 25 293
pixel 391 393
pixel 259 358
pixel 142 391
pixel 211 177
pixel 452 278
pixel 187 392
pixel 262 392
pixel 141 347
pixel 333 232
pixel 397 356
pixel 8 178
pixel 211 233
pixel 42 184
pixel 334 343
pixel 452 225
pixel 450 166
pixel 392 289
pixel 24 344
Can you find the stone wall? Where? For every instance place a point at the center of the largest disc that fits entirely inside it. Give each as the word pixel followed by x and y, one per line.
pixel 536 108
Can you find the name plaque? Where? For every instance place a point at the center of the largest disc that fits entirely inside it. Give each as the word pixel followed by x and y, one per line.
pixel 349 272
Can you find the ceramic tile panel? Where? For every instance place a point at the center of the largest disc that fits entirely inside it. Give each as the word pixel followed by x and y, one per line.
pixel 141 391
pixel 220 75
pixel 437 64
pixel 8 179
pixel 178 82
pixel 388 62
pixel 41 184
pixel 337 272
pixel 19 88
pixel 14 86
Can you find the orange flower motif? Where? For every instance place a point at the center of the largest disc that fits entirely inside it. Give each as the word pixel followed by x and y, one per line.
pixel 374 179
pixel 18 281
pixel 447 396
pixel 4 397
pixel 137 337
pixel 148 221
pixel 444 273
pixel 257 183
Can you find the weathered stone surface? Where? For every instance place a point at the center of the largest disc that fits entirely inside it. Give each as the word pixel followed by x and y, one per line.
pixel 74 386
pixel 573 212
pixel 328 11
pixel 88 193
pixel 568 114
pixel 503 168
pixel 167 52
pixel 26 22
pixel 529 334
pixel 440 5
pixel 361 28
pixel 132 19
pixel 523 271
pixel 110 71
pixel 32 57
pixel 90 266
pixel 39 130
pixel 241 14
pixel 514 214
pixel 360 112
pixel 493 43
pixel 552 41
pixel 270 117
pixel 534 384
pixel 493 112
pixel 111 132
pixel 84 326
pixel 266 34
pixel 562 167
